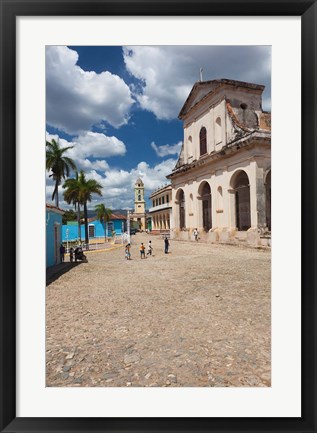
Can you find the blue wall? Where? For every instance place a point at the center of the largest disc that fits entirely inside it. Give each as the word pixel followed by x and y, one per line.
pixel 99 229
pixel 53 219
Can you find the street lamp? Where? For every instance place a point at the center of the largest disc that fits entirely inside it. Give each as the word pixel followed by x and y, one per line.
pixel 67 231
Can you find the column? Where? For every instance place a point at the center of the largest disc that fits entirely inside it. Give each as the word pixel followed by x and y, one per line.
pixel 260 197
pixel 231 208
pixel 198 220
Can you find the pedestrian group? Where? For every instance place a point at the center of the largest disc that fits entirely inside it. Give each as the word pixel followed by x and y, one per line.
pixel 142 248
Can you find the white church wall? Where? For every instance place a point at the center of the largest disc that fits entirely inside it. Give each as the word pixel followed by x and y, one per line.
pixel 254 159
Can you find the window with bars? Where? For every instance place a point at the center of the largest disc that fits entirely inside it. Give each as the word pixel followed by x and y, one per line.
pixel 203 141
pixel 91 231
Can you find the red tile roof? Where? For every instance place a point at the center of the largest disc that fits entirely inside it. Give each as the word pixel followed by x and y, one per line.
pixel 54 208
pixel 112 217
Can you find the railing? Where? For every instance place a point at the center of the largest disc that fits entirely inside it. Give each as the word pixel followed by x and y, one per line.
pixel 160 207
pixel 161 232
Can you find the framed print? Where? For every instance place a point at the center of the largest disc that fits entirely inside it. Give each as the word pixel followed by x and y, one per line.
pixel 166 305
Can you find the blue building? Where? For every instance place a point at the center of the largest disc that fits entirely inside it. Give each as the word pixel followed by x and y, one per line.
pixel 96 229
pixel 54 224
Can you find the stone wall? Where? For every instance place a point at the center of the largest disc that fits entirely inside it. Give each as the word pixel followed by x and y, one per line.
pixel 251 238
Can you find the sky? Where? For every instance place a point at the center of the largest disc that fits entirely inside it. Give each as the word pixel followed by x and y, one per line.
pixel 118 107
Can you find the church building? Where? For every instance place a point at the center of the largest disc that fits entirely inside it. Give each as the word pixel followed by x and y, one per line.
pixel 139 214
pixel 221 184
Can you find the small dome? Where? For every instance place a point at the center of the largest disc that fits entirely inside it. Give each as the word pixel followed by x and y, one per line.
pixel 139 182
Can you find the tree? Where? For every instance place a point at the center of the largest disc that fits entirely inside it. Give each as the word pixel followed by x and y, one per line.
pixel 72 195
pixel 80 191
pixel 69 215
pixel 103 215
pixel 58 164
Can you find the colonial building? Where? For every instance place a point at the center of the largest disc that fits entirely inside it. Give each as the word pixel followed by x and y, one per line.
pixel 139 205
pixel 161 210
pixel 221 184
pixel 117 224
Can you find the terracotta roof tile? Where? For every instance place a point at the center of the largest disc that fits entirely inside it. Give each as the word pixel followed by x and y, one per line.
pixel 50 206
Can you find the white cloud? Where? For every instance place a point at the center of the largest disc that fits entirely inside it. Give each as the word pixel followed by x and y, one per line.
pixel 118 185
pixel 77 99
pixel 167 73
pixel 91 145
pixel 167 149
pixel 87 164
pixel 95 144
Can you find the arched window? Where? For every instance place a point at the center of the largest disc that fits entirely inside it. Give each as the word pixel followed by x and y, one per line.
pixel 203 141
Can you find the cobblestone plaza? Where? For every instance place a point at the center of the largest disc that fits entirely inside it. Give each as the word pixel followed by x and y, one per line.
pixel 199 316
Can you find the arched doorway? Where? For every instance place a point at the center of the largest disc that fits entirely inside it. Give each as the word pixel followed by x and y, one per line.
pixel 180 200
pixel 268 199
pixel 241 186
pixel 205 194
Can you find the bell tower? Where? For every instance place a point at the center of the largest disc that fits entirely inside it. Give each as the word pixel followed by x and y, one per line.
pixel 139 202
pixel 139 215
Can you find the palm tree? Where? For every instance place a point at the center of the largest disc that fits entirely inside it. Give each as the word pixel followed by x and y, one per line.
pixel 81 190
pixel 103 215
pixel 58 164
pixel 72 195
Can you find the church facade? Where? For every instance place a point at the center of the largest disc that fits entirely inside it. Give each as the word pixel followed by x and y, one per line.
pixel 221 184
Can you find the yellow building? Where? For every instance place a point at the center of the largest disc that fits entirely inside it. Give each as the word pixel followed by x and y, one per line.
pixel 139 205
pixel 161 210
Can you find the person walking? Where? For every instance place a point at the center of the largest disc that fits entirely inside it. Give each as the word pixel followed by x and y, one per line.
pixel 149 249
pixel 62 253
pixel 166 245
pixel 71 254
pixel 196 233
pixel 128 252
pixel 142 251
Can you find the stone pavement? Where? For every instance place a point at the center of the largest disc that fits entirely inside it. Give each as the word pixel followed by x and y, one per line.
pixel 199 316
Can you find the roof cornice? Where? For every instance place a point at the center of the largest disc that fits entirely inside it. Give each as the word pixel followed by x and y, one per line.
pixel 230 148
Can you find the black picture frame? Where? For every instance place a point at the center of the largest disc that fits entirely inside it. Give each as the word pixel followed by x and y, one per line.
pixel 10 9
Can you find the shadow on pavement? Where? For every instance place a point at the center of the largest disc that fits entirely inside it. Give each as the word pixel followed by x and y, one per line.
pixel 54 272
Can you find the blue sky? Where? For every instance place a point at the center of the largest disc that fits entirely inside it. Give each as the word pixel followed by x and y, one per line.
pixel 118 107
